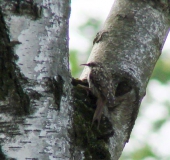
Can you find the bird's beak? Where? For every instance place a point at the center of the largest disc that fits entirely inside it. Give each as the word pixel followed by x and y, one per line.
pixel 84 64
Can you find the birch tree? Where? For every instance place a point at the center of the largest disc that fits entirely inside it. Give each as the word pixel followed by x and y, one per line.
pixel 45 113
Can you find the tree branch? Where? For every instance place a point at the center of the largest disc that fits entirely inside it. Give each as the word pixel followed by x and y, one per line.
pixel 129 45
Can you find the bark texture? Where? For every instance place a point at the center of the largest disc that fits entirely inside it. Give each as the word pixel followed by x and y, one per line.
pixel 34 80
pixel 129 45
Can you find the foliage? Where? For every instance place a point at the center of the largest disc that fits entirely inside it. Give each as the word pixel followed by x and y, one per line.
pixel 161 71
pixel 88 31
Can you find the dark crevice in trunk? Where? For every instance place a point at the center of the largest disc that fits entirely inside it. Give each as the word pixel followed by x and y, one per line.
pixel 11 79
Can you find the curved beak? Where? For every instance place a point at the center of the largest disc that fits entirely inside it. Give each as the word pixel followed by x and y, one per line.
pixel 84 64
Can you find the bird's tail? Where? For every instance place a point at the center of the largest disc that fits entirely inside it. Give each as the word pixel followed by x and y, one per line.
pixel 98 112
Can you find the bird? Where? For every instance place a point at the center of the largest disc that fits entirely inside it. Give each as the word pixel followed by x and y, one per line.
pixel 100 84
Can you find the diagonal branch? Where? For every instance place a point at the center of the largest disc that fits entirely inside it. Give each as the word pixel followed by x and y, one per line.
pixel 129 45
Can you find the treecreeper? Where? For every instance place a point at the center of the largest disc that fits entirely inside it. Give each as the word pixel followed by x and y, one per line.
pixel 101 85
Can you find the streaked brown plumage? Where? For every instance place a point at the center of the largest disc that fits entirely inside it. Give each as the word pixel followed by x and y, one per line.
pixel 100 84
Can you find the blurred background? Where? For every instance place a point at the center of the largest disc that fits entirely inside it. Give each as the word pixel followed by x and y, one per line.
pixel 150 138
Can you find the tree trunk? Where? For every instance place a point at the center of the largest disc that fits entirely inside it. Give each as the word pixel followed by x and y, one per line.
pixel 38 96
pixel 35 80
